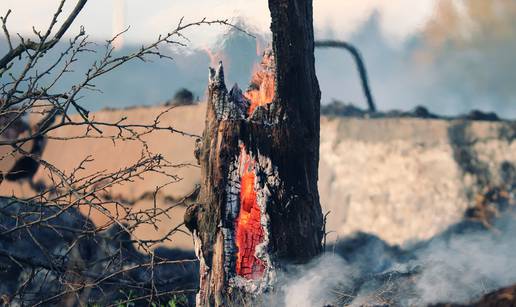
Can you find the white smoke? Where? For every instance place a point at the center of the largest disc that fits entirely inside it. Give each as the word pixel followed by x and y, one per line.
pixel 315 285
pixel 118 23
pixel 467 266
pixel 459 266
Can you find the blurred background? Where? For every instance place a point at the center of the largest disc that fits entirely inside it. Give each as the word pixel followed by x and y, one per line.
pixel 402 192
pixel 448 55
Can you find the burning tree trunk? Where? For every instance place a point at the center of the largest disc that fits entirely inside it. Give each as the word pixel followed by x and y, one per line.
pixel 259 204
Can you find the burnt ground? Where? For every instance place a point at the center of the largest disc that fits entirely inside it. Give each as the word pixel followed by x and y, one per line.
pixel 388 275
pixel 505 297
pixel 41 260
pixel 381 268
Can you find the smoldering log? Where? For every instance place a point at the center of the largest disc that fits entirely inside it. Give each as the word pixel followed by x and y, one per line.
pixel 218 222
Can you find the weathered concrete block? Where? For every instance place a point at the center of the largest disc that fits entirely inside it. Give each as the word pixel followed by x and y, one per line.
pixel 408 179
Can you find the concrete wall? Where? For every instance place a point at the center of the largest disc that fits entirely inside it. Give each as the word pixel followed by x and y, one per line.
pixel 408 179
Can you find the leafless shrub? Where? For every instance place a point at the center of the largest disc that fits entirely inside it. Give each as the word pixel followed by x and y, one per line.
pixel 49 252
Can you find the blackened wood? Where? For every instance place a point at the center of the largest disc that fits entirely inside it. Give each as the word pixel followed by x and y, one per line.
pixel 296 218
pixel 282 138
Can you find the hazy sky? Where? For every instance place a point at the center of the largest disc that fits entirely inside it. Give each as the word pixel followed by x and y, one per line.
pixel 151 17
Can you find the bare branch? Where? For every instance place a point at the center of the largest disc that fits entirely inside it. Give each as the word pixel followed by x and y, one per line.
pixel 43 46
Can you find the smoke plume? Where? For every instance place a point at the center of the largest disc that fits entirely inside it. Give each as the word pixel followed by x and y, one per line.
pixel 458 266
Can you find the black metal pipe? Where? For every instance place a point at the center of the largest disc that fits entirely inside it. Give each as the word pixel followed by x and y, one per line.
pixel 360 66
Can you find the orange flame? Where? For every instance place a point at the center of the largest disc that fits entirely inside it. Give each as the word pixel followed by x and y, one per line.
pixel 261 91
pixel 249 230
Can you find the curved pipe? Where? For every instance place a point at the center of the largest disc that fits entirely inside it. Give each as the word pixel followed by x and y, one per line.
pixel 360 66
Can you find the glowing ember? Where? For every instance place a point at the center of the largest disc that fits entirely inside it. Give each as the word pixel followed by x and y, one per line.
pixel 249 231
pixel 261 91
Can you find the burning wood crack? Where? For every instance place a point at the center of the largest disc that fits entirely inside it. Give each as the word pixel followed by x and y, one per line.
pixel 249 231
pixel 248 190
pixel 249 179
pixel 238 105
pixel 231 224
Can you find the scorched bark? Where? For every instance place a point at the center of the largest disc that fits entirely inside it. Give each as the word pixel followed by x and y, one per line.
pixel 258 208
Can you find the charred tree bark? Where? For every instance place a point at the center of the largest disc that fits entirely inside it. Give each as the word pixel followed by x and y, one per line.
pixel 360 67
pixel 258 208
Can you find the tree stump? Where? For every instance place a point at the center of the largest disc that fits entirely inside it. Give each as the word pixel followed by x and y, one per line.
pixel 258 207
